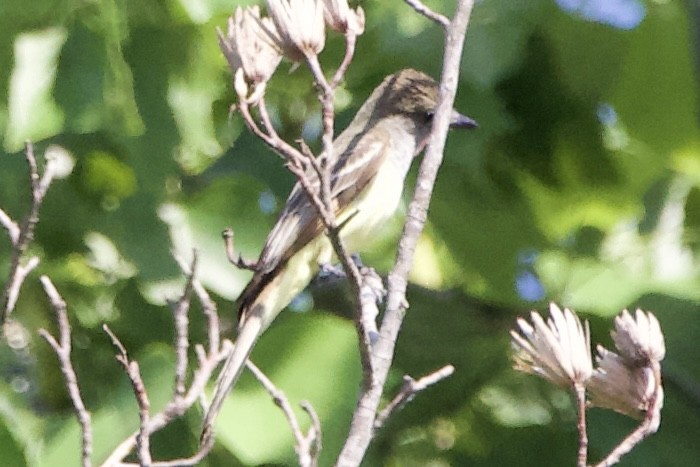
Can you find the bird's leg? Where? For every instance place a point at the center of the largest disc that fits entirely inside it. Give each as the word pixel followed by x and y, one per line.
pixel 335 271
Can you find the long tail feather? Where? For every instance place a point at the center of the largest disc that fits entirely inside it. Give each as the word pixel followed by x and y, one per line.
pixel 248 335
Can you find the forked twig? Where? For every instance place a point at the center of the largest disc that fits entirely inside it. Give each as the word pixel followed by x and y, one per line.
pixel 306 446
pixel 423 9
pixel 22 235
pixel 62 347
pixel 410 388
pixel 239 262
pixel 131 368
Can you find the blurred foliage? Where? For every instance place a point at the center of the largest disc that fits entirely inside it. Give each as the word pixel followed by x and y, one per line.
pixel 581 186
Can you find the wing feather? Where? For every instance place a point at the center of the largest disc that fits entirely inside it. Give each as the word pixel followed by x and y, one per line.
pixel 299 222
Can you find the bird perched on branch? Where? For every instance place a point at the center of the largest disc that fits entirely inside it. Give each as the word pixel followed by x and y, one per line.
pixel 369 164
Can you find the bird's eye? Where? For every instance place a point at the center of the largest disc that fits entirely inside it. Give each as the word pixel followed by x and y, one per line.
pixel 429 116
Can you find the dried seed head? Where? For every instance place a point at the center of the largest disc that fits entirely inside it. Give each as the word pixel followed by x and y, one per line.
pixel 624 388
pixel 300 25
pixel 639 339
pixel 340 17
pixel 558 350
pixel 251 43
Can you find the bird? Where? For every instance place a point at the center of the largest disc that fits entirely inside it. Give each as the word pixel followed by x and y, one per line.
pixel 369 163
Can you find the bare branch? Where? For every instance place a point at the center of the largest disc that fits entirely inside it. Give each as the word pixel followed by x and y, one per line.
pixel 201 377
pixel 10 225
pixel 210 313
pixel 362 425
pixel 131 367
pixel 314 432
pixel 207 363
pixel 239 262
pixel 295 159
pixel 17 278
pixel 350 41
pixel 580 393
pixel 185 461
pixel 62 348
pixel 180 317
pixel 423 9
pixel 409 389
pixel 306 446
pixel 23 235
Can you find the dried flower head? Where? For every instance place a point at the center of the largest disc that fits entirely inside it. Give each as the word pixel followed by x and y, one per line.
pixel 639 339
pixel 341 18
pixel 558 350
pixel 251 44
pixel 300 25
pixel 624 388
pixel 630 382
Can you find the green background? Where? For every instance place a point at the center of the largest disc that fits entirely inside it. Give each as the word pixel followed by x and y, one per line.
pixel 581 186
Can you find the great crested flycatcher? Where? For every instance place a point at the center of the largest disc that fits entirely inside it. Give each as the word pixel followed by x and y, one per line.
pixel 368 167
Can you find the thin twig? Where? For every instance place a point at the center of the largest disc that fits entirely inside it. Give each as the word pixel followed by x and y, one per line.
pixel 62 348
pixel 362 425
pixel 311 158
pixel 9 225
pixel 314 432
pixel 22 235
pixel 295 162
pixel 210 313
pixel 181 462
pixel 131 367
pixel 326 97
pixel 421 8
pixel 580 394
pixel 15 281
pixel 181 320
pixel 202 375
pixel 409 389
pixel 306 446
pixel 239 262
pixel 350 41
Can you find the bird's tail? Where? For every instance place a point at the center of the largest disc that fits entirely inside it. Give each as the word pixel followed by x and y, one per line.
pixel 248 334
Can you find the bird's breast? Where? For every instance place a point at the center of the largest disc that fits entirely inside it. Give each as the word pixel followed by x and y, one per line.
pixel 374 205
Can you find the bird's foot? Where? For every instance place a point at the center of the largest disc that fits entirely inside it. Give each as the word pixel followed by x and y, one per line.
pixel 374 282
pixel 331 271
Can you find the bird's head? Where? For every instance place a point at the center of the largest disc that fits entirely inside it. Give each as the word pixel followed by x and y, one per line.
pixel 413 94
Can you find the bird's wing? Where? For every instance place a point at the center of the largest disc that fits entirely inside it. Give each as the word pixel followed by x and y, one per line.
pixel 299 222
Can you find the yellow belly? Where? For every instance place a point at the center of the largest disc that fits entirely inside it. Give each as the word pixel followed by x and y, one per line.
pixel 378 202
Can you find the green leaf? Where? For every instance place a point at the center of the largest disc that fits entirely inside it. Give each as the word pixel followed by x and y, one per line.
pixel 309 357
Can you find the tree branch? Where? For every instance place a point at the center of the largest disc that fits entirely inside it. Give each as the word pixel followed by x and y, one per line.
pixel 21 236
pixel 362 425
pixel 62 348
pixel 182 400
pixel 421 8
pixel 131 368
pixel 580 395
pixel 180 311
pixel 410 388
pixel 306 446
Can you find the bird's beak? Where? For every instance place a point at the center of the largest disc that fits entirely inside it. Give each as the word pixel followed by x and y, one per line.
pixel 462 121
